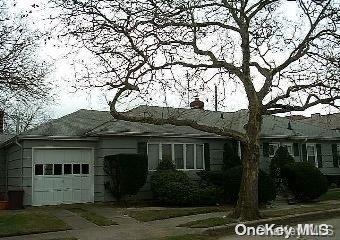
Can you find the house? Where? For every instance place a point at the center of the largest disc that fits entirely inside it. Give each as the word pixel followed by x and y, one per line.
pixel 331 121
pixel 62 161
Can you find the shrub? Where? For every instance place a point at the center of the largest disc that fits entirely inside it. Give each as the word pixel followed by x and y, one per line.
pixel 230 157
pixel 166 164
pixel 281 158
pixel 173 187
pixel 304 180
pixel 214 178
pixel 232 183
pixel 127 173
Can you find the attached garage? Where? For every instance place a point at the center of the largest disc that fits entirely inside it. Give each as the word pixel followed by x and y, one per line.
pixel 62 175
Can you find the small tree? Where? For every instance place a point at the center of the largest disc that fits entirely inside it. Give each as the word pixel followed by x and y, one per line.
pixel 127 173
pixel 281 158
pixel 230 157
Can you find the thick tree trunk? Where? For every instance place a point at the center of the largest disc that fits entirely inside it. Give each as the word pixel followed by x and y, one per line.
pixel 247 206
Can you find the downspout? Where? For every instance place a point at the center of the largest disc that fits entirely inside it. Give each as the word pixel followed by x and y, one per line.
pixel 22 162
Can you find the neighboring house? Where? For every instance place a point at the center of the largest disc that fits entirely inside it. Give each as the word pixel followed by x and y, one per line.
pixel 331 121
pixel 62 161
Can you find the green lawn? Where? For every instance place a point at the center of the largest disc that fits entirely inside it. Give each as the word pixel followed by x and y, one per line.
pixel 331 195
pixel 151 215
pixel 188 237
pixel 64 238
pixel 29 222
pixel 219 221
pixel 92 217
pixel 209 222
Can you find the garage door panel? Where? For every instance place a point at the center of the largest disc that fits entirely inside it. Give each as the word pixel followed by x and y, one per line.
pixel 67 182
pixel 76 182
pixel 63 186
pixel 85 183
pixel 58 184
pixel 68 195
pixel 58 196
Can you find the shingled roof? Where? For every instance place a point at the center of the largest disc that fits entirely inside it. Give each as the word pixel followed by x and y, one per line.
pixel 331 121
pixel 5 137
pixel 83 123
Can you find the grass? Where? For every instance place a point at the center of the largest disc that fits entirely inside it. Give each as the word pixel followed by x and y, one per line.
pixel 209 222
pixel 93 217
pixel 151 215
pixel 331 195
pixel 219 221
pixel 71 238
pixel 188 237
pixel 21 223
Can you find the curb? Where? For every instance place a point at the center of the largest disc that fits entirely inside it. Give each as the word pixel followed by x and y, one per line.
pixel 289 220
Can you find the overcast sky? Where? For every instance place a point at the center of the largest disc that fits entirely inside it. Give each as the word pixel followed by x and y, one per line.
pixel 68 100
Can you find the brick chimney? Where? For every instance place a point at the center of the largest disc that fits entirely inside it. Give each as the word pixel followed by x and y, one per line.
pixel 2 115
pixel 197 104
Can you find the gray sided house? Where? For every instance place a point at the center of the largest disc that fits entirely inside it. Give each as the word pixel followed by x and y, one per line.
pixel 62 161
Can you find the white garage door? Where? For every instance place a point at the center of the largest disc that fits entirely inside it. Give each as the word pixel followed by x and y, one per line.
pixel 62 176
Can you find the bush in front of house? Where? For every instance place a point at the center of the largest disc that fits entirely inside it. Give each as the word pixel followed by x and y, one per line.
pixel 214 178
pixel 127 173
pixel 281 158
pixel 173 187
pixel 232 183
pixel 230 157
pixel 304 180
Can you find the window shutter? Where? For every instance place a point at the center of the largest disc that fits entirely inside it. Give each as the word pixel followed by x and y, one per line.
pixel 335 155
pixel 265 149
pixel 296 149
pixel 304 152
pixel 207 156
pixel 319 153
pixel 142 148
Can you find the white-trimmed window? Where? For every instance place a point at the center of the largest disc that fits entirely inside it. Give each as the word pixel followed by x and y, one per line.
pixel 289 147
pixel 312 154
pixel 185 156
pixel 272 149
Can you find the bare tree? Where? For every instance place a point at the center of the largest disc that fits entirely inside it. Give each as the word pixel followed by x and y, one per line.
pixel 283 60
pixel 21 72
pixel 22 115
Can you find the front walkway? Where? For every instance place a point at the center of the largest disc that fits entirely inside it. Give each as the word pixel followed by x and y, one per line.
pixel 127 229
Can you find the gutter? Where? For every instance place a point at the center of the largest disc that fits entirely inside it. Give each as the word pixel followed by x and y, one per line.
pixel 22 161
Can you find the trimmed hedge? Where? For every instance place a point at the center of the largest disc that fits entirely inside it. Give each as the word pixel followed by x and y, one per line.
pixel 232 185
pixel 127 173
pixel 173 187
pixel 305 181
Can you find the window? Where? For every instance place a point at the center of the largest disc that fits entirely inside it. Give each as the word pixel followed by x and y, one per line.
pixel 48 169
pixel 166 151
pixel 85 169
pixel 272 149
pixel 190 160
pixel 179 158
pixel 311 154
pixel 76 168
pixel 153 156
pixel 185 156
pixel 199 156
pixel 58 169
pixel 39 169
pixel 67 169
pixel 289 148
